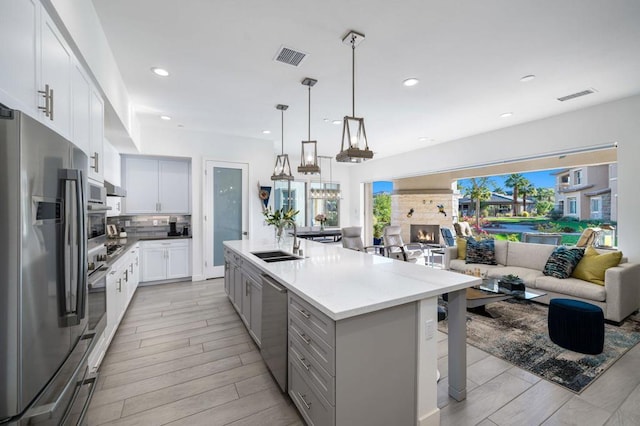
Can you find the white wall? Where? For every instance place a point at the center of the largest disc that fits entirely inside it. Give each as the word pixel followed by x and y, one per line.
pixel 606 123
pixel 112 164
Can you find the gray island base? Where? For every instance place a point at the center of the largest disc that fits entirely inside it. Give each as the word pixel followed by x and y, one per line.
pixel 359 330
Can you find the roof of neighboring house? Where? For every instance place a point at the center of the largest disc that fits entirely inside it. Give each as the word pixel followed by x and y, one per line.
pixel 496 199
pixel 560 172
pixel 576 188
pixel 598 192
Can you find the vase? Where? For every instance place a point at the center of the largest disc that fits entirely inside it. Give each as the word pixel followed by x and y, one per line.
pixel 322 226
pixel 279 233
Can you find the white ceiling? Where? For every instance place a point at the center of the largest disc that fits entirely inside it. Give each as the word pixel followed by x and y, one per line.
pixel 469 56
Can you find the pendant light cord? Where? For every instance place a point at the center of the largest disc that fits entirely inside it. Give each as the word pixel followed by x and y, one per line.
pixel 309 117
pixel 353 75
pixel 282 132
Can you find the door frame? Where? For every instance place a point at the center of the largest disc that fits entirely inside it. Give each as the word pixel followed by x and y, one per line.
pixel 210 270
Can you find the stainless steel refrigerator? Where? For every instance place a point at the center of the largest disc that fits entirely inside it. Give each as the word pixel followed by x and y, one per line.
pixel 44 341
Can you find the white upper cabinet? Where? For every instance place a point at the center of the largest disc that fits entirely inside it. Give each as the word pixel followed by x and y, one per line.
pixel 80 104
pixel 96 142
pixel 157 186
pixel 18 56
pixel 174 187
pixel 55 78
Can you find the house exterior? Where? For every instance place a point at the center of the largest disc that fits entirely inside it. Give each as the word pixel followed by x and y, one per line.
pixel 497 205
pixel 588 192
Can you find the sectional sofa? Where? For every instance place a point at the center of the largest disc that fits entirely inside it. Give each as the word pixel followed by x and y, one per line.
pixel 618 298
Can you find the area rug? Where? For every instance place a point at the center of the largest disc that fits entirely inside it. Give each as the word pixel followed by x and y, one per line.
pixel 518 334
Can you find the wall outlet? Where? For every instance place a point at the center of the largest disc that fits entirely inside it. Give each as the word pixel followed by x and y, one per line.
pixel 127 223
pixel 155 222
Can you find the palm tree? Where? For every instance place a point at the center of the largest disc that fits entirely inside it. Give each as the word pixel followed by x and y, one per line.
pixel 515 181
pixel 478 190
pixel 545 194
pixel 527 188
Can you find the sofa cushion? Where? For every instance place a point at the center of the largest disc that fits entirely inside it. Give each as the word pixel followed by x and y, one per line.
pixel 461 265
pixel 528 255
pixel 572 287
pixel 501 251
pixel 461 243
pixel 562 262
pixel 482 252
pixel 593 265
pixel 527 275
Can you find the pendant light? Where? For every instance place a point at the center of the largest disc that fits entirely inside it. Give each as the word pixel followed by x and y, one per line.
pixel 324 193
pixel 282 169
pixel 355 148
pixel 309 155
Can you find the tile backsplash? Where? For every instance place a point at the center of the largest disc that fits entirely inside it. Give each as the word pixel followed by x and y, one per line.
pixel 149 226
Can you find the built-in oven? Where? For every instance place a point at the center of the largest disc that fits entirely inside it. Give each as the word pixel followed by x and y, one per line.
pixel 96 216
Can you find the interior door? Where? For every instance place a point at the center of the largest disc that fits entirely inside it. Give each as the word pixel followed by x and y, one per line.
pixel 226 210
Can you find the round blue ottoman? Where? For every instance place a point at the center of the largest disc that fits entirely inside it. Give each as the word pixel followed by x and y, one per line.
pixel 576 325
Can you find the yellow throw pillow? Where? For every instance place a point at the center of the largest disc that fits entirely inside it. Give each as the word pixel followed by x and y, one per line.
pixel 462 248
pixel 592 265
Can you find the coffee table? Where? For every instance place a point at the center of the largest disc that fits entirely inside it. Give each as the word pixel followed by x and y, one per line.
pixel 489 292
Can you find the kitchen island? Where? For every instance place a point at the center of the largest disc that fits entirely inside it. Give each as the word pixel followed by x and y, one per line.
pixel 361 330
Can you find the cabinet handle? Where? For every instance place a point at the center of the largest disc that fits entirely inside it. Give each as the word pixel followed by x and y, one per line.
pixel 96 164
pixel 303 312
pixel 119 285
pixel 136 260
pixel 131 267
pixel 118 206
pixel 303 336
pixel 51 104
pixel 304 364
pixel 45 95
pixel 304 401
pixel 246 288
pixel 159 207
pixel 126 275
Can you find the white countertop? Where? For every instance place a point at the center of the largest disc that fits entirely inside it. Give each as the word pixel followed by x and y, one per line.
pixel 344 283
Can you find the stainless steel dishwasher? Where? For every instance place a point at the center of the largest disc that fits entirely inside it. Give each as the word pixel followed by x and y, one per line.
pixel 274 329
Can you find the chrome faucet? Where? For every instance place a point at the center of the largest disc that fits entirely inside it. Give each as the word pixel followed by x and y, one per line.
pixel 296 243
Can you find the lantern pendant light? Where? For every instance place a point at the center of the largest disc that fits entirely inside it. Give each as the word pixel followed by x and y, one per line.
pixel 355 148
pixel 282 169
pixel 309 155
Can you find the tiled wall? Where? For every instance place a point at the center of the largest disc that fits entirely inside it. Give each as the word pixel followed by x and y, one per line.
pixel 149 226
pixel 425 210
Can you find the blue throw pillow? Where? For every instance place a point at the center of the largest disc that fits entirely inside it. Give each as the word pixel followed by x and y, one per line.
pixel 562 262
pixel 482 251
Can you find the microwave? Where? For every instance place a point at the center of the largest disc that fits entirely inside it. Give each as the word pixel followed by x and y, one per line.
pixel 97 194
pixel 96 215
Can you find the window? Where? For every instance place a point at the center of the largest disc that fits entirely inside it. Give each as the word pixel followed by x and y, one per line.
pixel 577 177
pixel 573 205
pixel 291 195
pixel 596 208
pixel 564 179
pixel 329 206
pixel 561 206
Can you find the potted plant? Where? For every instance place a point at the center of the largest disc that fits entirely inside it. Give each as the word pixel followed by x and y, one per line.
pixel 378 228
pixel 511 284
pixel 279 218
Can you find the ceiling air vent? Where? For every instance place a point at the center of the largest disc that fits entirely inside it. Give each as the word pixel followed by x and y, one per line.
pixel 290 56
pixel 577 95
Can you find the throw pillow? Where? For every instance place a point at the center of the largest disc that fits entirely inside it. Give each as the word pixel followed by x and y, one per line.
pixel 482 251
pixel 593 265
pixel 461 243
pixel 562 262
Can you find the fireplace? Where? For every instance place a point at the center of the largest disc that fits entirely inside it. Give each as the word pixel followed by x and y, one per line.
pixel 426 234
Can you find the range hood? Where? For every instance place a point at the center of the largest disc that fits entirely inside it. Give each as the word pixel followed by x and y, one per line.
pixel 114 190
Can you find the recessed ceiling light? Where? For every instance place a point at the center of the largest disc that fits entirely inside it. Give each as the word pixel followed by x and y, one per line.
pixel 411 82
pixel 165 117
pixel 160 71
pixel 423 139
pixel 266 132
pixel 527 78
pixel 337 121
pixel 506 114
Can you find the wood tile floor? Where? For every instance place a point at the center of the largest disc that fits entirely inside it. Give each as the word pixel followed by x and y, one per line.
pixel 183 357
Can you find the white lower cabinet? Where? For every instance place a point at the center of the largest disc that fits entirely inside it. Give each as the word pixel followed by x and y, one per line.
pixel 165 260
pixel 244 288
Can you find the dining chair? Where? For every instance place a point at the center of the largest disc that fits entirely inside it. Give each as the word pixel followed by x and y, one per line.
pixel 352 239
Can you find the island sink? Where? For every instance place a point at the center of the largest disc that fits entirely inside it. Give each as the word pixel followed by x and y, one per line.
pixel 275 256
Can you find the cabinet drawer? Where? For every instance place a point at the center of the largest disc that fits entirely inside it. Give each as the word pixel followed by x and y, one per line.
pixel 313 408
pixel 304 313
pixel 317 348
pixel 183 242
pixel 317 377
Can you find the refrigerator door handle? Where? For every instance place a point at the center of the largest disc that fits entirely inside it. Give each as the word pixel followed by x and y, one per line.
pixel 72 315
